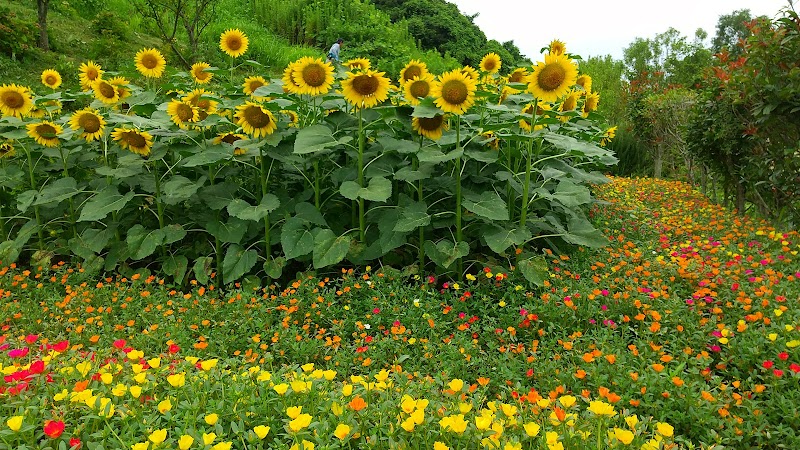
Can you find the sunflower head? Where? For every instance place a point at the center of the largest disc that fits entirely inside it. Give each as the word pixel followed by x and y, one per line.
pixel 490 140
pixel 150 62
pixel 365 89
pixel 590 103
pixel 51 78
pixel 414 68
pixel 15 100
pixel 200 99
pixel 430 127
pixel 200 74
pixel 356 64
pixel 552 78
pixel 454 92
pixel 89 72
pixel 312 76
pixel 182 113
pixel 292 116
pixel 518 75
pixel 253 83
pixel 289 85
pixel 122 85
pixel 137 141
pixel 608 136
pixel 89 123
pixel 230 138
pixel 541 111
pixel 45 133
pixel 6 150
pixel 418 88
pixel 491 63
pixel 233 42
pixel 255 120
pixel 470 72
pixel 105 92
pixel 557 47
pixel 584 81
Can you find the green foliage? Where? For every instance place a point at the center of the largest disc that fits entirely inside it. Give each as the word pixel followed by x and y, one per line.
pixel 17 35
pixel 731 30
pixel 634 159
pixel 606 74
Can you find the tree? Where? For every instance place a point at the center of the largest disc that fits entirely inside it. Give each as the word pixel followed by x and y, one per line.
pixel 731 30
pixel 170 16
pixel 42 7
pixel 668 115
pixel 606 74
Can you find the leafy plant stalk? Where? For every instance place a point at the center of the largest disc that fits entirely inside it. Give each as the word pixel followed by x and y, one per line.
pixel 361 220
pixel 523 216
pixel 459 231
pixel 39 228
pixel 264 191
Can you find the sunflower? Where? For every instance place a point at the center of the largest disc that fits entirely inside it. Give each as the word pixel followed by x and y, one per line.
pixel 585 81
pixel 205 106
pixel 490 140
pixel 105 92
pixel 491 63
pixel 89 123
pixel 150 63
pixel 541 111
pixel 608 136
pixel 294 119
pixel 233 42
pixel 557 47
pixel 255 120
pixel 182 113
pixel 253 83
pixel 470 72
pixel 552 78
pixel 139 142
pixel 569 103
pixel 230 138
pixel 414 68
pixel 44 108
pixel 590 104
pixel 518 75
pixel 430 127
pixel 6 150
pixel 51 78
pixel 357 64
pixel 89 73
pixel 15 100
pixel 312 76
pixel 418 88
pixel 121 83
pixel 45 133
pixel 365 89
pixel 454 92
pixel 289 85
pixel 199 73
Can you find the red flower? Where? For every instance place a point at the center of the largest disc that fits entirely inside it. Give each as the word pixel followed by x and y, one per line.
pixel 53 428
pixel 60 346
pixel 174 348
pixel 37 366
pixel 778 373
pixel 783 356
pixel 31 338
pixel 767 364
pixel 74 443
pixel 794 367
pixel 119 343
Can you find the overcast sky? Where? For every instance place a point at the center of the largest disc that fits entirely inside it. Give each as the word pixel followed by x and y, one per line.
pixel 597 28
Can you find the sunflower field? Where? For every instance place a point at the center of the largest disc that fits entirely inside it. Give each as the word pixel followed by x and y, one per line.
pixel 215 173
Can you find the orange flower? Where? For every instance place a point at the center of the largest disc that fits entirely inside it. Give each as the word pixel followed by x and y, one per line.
pixel 658 367
pixel 357 403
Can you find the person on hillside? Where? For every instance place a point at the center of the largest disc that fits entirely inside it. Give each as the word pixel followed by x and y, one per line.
pixel 333 53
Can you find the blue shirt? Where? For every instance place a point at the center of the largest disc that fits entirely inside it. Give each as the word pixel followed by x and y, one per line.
pixel 333 53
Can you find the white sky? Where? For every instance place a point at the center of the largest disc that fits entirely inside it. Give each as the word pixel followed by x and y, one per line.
pixel 601 27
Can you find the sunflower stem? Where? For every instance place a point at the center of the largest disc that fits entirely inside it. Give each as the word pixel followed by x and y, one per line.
pixel 415 165
pixel 39 228
pixel 159 205
pixel 71 204
pixel 264 192
pixel 317 192
pixel 361 221
pixel 459 231
pixel 523 216
pixel 2 204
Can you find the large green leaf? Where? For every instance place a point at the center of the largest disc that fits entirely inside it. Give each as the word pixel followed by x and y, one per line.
pixel 582 232
pixel 571 195
pixel 488 205
pixel 173 233
pixel 329 249
pixel 583 148
pixel 243 210
pixel 310 213
pixel 403 146
pixel 296 239
pixel 378 190
pixel 534 269
pixel 218 196
pixel 238 261
pixel 104 202
pixel 176 267
pixel 426 109
pixel 55 192
pixel 208 156
pixel 412 216
pixel 230 232
pixel 179 189
pixel 432 155
pixel 389 238
pixel 499 239
pixel 25 200
pixel 143 242
pixel 202 269
pixel 410 175
pixel 445 252
pixel 9 252
pixel 314 139
pixel 273 267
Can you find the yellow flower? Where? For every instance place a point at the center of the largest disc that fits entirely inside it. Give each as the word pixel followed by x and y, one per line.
pixel 233 42
pixel 456 423
pixel 454 92
pixel 185 442
pixel 182 113
pixel 632 421
pixel 302 421
pixel 300 386
pixel 557 47
pixel 456 385
pixel 141 143
pixel 793 343
pixel 135 391
pixel 491 63
pixel 584 81
pixel 307 368
pixel 414 69
pixel 361 64
pixel 312 76
pixel 253 83
pixel 430 127
pixel 365 89
pixel 590 103
pixel 208 438
pixel 508 410
pixel 155 363
pixel 513 446
pixel 211 419
pixel 45 133
pixel 623 435
pixel 140 446
pixel 601 408
pixel 342 431
pixel 105 92
pixel 163 406
pixel 567 400
pixel 255 120
pixel 51 78
pixel 106 408
pixel 337 409
pixel 418 88
pixel 347 390
pixel 89 72
pixel 552 78
pixel 531 428
pixel 200 74
pixel 664 429
pixel 177 379
pixel 440 446
pixel 135 355
pixel 106 378
pixel 306 445
pixel 14 423
pixel 261 431
pixel 150 63
pixel 209 364
pixel 281 388
pixel 483 422
pixel 294 411
pixel 158 436
pixel 223 446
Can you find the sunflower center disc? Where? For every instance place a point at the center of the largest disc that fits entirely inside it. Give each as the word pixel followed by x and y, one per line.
pixel 230 138
pixel 91 74
pixel 51 80
pixel 551 77
pixel 314 75
pixel 14 100
pixel 431 123
pixel 107 90
pixel 256 117
pixel 255 85
pixel 455 92
pixel 420 89
pixel 411 72
pixel 150 61
pixel 234 43
pixel 90 123
pixel 46 131
pixel 365 85
pixel 135 140
pixel 185 113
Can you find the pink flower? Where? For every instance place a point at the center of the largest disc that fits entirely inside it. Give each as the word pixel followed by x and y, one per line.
pixel 31 338
pixel 376 311
pixel 523 312
pixel 18 352
pixel 119 343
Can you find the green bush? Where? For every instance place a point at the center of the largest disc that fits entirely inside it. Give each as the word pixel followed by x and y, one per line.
pixel 17 36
